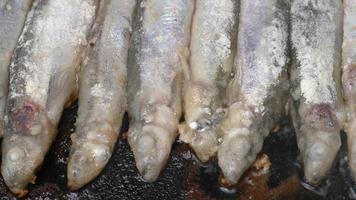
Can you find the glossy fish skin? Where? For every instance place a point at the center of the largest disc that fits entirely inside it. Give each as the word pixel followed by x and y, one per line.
pixel 318 116
pixel 213 46
pixel 349 78
pixel 12 18
pixel 257 93
pixel 102 93
pixel 42 82
pixel 158 54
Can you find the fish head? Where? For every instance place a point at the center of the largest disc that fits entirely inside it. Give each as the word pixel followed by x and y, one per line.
pixel 151 147
pixel 242 140
pixel 25 144
pixel 86 161
pixel 21 157
pixel 92 146
pixel 318 141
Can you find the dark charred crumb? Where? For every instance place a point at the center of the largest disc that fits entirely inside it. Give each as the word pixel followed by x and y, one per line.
pixel 185 177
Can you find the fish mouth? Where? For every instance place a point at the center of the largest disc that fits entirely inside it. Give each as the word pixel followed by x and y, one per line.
pixel 236 154
pixel 16 183
pixel 86 162
pixel 81 170
pixel 151 150
pixel 28 138
pixel 318 150
pixel 21 159
pixel 17 179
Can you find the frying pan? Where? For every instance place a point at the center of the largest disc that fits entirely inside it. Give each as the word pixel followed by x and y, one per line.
pixel 185 177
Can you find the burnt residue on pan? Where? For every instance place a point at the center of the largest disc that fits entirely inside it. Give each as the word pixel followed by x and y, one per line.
pixel 187 178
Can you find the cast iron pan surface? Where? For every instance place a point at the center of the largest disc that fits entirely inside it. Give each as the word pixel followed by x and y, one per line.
pixel 185 177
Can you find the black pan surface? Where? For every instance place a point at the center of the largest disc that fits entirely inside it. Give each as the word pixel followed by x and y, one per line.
pixel 185 177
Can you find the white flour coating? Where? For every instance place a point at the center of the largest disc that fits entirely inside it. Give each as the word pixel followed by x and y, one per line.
pixel 215 40
pixel 262 57
pixel 318 114
pixel 102 92
pixel 103 95
pixel 158 65
pixel 15 90
pixel 12 19
pixel 212 48
pixel 349 79
pixel 260 72
pixel 42 78
pixel 98 91
pixel 349 44
pixel 158 58
pixel 51 37
pixel 159 52
pixel 315 49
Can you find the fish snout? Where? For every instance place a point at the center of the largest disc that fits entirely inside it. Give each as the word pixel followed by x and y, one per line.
pixel 152 150
pixel 318 151
pixel 19 164
pixel 85 164
pixel 237 153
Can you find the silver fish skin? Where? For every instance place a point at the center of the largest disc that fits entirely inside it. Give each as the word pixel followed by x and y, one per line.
pixel 213 47
pixel 315 73
pixel 257 92
pixel 157 57
pixel 42 82
pixel 12 19
pixel 349 79
pixel 102 93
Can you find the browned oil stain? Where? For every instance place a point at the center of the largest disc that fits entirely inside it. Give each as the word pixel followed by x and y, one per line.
pixel 254 186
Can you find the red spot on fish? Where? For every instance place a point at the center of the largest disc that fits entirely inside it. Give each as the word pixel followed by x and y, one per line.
pixel 24 116
pixel 321 111
pixel 322 118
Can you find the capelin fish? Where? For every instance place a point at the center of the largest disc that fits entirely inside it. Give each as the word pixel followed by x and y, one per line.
pixel 102 93
pixel 42 83
pixel 257 92
pixel 157 59
pixel 317 111
pixel 12 19
pixel 212 46
pixel 349 78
